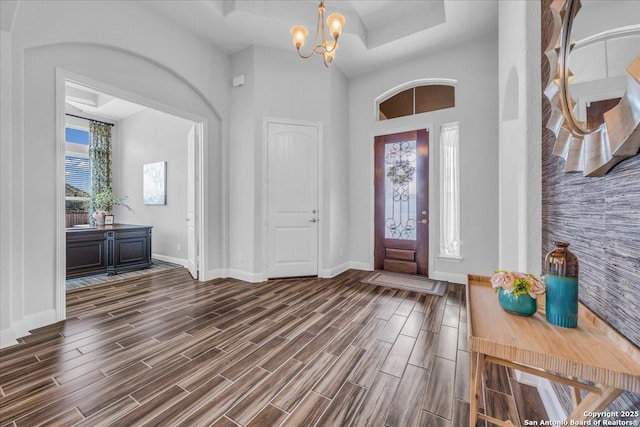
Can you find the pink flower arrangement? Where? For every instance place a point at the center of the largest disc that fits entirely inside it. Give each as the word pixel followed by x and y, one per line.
pixel 517 283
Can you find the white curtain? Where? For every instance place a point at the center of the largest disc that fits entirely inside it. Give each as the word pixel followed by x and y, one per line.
pixel 449 190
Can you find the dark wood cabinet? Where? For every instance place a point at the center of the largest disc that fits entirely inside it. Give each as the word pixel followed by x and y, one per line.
pixel 111 249
pixel 86 254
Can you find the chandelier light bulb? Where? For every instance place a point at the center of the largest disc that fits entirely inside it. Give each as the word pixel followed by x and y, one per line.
pixel 299 34
pixel 335 22
pixel 330 48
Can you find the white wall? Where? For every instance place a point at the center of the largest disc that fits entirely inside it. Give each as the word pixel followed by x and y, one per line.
pixel 597 16
pixel 152 136
pixel 128 47
pixel 336 172
pixel 6 267
pixel 520 136
pixel 242 177
pixel 281 85
pixel 474 66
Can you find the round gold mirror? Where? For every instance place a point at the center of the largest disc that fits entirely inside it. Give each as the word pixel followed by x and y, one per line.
pixel 608 40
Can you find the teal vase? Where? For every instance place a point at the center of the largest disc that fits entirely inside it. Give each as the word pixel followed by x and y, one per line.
pixel 561 281
pixel 522 305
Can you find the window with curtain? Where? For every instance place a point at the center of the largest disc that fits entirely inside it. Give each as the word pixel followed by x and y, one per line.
pixel 77 176
pixel 450 190
pixel 76 168
pixel 87 169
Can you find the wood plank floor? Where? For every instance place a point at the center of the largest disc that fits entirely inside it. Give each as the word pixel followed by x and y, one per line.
pixel 166 350
pixel 102 278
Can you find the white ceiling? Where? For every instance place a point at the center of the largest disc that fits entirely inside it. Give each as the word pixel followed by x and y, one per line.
pixel 99 104
pixel 376 32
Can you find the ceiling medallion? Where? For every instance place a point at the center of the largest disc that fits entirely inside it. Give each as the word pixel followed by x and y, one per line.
pixel 322 46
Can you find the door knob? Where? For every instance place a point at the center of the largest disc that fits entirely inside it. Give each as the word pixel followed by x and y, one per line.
pixel 313 220
pixel 423 221
pixel 424 212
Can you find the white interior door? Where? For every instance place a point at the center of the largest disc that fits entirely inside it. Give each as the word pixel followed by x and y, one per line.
pixel 192 254
pixel 292 198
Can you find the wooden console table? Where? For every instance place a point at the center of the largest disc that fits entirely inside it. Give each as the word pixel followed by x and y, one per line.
pixel 593 351
pixel 108 249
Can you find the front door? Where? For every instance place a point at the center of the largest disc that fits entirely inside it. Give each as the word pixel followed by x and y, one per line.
pixel 292 200
pixel 402 202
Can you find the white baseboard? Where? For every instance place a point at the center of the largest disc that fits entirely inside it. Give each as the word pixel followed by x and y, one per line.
pixel 356 265
pixel 21 328
pixel 173 260
pixel 325 273
pixel 547 394
pixel 7 338
pixel 245 276
pixel 449 277
pixel 550 400
pixel 218 273
pixel 328 273
pixel 223 273
pixel 527 379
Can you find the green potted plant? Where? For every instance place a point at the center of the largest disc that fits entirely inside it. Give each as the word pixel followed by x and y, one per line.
pixel 103 203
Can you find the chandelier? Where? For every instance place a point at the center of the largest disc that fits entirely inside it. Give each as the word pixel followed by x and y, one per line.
pixel 322 46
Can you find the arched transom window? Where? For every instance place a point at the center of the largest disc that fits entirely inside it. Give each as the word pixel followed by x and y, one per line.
pixel 419 98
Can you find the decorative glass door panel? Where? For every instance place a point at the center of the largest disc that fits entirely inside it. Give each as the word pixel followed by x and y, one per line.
pixel 401 202
pixel 400 190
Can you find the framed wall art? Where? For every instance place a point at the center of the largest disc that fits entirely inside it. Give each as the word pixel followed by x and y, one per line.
pixel 154 183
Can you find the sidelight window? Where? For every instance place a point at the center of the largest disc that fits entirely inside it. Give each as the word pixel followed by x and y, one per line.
pixel 450 190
